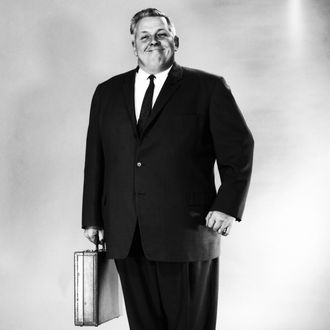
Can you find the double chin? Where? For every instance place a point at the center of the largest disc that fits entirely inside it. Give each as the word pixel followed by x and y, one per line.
pixel 155 62
pixel 156 59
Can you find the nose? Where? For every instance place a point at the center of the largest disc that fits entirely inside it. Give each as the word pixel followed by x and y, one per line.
pixel 154 40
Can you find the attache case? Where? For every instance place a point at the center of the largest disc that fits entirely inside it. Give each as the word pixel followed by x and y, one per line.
pixel 97 291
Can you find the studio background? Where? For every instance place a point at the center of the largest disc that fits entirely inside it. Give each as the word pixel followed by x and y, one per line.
pixel 274 268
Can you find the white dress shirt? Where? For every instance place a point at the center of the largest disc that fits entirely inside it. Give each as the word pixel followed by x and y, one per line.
pixel 141 85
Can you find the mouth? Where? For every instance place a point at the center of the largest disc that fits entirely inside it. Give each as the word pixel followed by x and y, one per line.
pixel 155 49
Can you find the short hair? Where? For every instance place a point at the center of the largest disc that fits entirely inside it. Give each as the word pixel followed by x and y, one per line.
pixel 150 12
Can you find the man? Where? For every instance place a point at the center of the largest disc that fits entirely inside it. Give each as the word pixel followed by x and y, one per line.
pixel 154 135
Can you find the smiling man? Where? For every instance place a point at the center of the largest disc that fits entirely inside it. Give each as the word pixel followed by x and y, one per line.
pixel 154 135
pixel 154 42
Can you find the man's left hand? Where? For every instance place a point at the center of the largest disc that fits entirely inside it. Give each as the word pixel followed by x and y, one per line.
pixel 219 222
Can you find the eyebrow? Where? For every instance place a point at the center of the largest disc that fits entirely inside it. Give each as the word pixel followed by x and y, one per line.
pixel 162 29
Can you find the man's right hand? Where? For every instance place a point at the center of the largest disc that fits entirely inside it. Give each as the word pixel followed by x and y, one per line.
pixel 92 234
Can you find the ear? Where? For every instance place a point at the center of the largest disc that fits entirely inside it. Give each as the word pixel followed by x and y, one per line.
pixel 133 45
pixel 176 42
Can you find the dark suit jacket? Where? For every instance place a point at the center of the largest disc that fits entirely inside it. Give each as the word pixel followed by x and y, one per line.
pixel 165 177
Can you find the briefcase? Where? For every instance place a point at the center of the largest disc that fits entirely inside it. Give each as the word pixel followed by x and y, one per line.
pixel 97 290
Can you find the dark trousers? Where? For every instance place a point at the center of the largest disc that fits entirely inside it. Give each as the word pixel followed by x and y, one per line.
pixel 168 295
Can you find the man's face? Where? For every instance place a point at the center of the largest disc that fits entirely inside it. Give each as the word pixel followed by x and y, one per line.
pixel 154 44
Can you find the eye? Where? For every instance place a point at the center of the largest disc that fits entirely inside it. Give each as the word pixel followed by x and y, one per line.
pixel 162 35
pixel 145 37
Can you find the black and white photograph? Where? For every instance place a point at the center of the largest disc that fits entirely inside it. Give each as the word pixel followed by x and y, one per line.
pixel 165 165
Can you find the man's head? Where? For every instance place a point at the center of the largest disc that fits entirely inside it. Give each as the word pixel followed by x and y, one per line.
pixel 154 40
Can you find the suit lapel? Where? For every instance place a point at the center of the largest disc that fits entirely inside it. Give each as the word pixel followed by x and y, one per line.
pixel 129 98
pixel 170 86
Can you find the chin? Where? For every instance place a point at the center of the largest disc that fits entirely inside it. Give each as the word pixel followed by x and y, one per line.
pixel 156 65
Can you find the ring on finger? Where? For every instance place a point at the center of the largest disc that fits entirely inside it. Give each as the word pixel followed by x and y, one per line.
pixel 223 231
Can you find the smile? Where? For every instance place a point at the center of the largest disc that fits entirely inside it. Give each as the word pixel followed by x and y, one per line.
pixel 155 49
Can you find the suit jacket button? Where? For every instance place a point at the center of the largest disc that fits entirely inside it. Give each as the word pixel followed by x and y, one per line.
pixel 138 164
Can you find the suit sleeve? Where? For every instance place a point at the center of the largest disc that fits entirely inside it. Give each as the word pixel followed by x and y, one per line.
pixel 233 146
pixel 93 170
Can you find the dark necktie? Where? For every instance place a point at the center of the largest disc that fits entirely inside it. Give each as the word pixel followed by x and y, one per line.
pixel 146 105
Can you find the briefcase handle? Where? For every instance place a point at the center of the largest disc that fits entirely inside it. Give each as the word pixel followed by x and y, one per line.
pixel 97 243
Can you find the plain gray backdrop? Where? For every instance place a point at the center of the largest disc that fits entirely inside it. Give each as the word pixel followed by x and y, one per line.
pixel 274 268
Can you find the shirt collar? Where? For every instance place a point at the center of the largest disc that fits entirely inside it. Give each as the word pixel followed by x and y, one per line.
pixel 161 75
